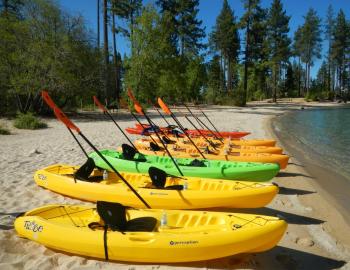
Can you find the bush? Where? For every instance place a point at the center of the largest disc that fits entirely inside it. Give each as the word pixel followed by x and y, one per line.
pixel 4 131
pixel 28 121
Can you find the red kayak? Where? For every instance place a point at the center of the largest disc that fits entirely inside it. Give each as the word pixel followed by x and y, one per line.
pixel 147 130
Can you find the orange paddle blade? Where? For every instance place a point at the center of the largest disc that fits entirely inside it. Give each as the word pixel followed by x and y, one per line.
pixel 137 105
pixel 99 104
pixel 131 96
pixel 59 114
pixel 138 108
pixel 164 106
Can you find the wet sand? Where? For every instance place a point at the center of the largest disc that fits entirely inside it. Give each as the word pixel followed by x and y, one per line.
pixel 317 236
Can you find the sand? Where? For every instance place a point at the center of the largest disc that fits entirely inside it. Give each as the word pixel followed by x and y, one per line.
pixel 317 237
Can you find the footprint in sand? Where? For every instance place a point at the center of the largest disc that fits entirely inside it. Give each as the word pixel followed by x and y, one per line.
pixel 305 242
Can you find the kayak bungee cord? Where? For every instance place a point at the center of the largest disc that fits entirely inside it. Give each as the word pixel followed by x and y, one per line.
pixel 70 125
pixel 169 112
pixel 139 109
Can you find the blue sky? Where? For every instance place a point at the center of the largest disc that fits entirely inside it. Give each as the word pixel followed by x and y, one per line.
pixel 209 10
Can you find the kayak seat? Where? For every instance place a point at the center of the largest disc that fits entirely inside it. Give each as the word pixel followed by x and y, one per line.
pixel 84 172
pixel 158 178
pixel 154 147
pixel 197 163
pixel 129 153
pixel 114 216
pixel 167 140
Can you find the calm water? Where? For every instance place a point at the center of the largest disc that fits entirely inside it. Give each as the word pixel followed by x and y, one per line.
pixel 325 131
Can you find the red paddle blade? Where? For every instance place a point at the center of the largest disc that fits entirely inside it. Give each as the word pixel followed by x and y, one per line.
pixel 59 114
pixel 164 106
pixel 99 104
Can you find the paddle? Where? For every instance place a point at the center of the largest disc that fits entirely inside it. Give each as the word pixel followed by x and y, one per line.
pixel 72 127
pixel 106 112
pixel 139 109
pixel 218 132
pixel 201 123
pixel 200 133
pixel 169 112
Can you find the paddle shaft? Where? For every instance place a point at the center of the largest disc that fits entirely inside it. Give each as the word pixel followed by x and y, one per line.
pixel 219 134
pixel 205 138
pixel 202 124
pixel 188 137
pixel 113 169
pixel 166 149
pixel 120 129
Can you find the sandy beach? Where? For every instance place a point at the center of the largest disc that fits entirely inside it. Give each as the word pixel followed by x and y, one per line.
pixel 318 233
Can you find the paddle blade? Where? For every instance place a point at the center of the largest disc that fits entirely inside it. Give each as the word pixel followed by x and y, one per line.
pixel 59 114
pixel 131 96
pixel 164 106
pixel 138 108
pixel 99 104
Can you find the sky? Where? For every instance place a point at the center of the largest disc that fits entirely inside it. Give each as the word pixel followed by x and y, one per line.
pixel 209 10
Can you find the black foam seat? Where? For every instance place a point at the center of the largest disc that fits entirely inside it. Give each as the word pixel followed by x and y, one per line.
pixel 158 178
pixel 128 151
pixel 154 147
pixel 114 216
pixel 84 172
pixel 197 163
pixel 167 140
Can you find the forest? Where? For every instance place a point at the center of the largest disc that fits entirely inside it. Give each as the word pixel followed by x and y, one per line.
pixel 253 57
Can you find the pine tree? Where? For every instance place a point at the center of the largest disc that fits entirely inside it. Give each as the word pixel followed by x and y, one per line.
pixel 329 30
pixel 297 51
pixel 278 28
pixel 225 39
pixel 340 47
pixel 310 42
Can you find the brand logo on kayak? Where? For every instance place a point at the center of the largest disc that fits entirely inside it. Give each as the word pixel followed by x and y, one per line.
pixel 190 242
pixel 32 226
pixel 158 193
pixel 42 177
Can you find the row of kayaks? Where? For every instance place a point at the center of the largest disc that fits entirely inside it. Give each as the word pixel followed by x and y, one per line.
pixel 123 183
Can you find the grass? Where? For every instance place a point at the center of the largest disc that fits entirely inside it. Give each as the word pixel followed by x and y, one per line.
pixel 28 121
pixel 4 131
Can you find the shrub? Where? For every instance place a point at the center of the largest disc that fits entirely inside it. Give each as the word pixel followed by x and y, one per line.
pixel 4 131
pixel 28 121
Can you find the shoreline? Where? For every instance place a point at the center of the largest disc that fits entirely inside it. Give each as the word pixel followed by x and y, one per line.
pixel 325 181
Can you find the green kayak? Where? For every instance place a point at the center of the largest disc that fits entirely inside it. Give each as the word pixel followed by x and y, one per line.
pixel 140 163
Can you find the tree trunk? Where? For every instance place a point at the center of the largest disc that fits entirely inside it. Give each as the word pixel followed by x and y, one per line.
pixel 275 83
pixel 245 83
pixel 116 67
pixel 229 76
pixel 299 79
pixel 98 24
pixel 106 53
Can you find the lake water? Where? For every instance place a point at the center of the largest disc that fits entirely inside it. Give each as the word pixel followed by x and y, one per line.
pixel 323 132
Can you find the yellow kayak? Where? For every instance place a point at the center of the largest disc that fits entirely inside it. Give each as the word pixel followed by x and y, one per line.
pixel 176 193
pixel 114 232
pixel 190 152
pixel 227 141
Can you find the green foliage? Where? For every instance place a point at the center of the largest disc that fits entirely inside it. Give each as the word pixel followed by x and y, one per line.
pixel 28 121
pixel 46 49
pixel 4 131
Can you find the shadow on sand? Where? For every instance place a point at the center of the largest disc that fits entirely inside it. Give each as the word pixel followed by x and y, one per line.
pixel 294 191
pixel 292 174
pixel 11 219
pixel 291 259
pixel 288 217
